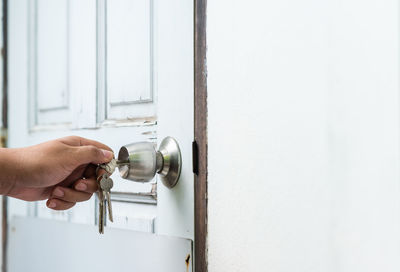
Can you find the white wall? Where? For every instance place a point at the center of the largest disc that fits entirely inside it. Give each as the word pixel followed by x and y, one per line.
pixel 303 135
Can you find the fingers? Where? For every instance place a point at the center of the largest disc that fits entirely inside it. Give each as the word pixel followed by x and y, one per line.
pixel 63 198
pixel 90 171
pixel 89 185
pixel 70 195
pixel 58 205
pixel 88 151
pixel 79 141
pixel 92 154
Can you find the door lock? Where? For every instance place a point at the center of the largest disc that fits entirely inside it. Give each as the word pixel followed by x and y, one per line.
pixel 141 161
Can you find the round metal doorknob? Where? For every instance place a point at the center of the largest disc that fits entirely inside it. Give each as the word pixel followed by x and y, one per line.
pixel 140 161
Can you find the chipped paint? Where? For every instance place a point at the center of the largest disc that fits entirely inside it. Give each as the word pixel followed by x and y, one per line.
pixel 130 122
pixel 187 261
pixel 151 132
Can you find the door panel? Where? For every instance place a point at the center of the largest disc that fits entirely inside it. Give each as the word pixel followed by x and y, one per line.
pixel 52 52
pixel 50 20
pixel 135 251
pixel 126 29
pixel 128 66
pixel 61 63
pixel 129 56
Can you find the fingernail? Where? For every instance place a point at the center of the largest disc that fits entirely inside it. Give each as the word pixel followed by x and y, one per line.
pixel 81 186
pixel 58 192
pixel 52 204
pixel 108 154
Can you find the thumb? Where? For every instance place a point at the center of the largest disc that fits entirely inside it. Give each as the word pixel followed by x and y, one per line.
pixel 92 154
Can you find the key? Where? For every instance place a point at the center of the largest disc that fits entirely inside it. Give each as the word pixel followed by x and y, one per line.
pixel 106 183
pixel 109 167
pixel 112 165
pixel 101 212
pixel 101 208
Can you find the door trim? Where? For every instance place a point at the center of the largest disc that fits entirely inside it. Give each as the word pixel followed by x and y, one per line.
pixel 200 136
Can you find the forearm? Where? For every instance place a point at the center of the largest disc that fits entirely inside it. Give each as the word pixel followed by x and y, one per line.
pixel 9 168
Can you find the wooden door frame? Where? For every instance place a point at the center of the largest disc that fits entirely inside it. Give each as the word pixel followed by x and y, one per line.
pixel 200 136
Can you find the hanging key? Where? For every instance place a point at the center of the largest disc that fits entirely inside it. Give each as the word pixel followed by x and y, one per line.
pixel 106 183
pixel 101 212
pixel 101 207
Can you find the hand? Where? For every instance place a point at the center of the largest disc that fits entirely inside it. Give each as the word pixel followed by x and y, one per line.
pixel 62 171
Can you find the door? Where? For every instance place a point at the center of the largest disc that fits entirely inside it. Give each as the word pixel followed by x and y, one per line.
pixel 120 72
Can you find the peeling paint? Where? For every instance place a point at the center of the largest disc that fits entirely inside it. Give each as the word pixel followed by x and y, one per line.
pixel 151 132
pixel 130 122
pixel 187 261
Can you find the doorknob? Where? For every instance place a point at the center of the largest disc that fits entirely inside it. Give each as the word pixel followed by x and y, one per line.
pixel 141 161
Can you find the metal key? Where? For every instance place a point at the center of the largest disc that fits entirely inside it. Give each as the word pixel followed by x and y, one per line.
pixel 112 165
pixel 109 167
pixel 106 183
pixel 101 212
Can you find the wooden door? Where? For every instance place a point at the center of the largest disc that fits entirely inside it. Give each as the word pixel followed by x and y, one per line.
pixel 118 71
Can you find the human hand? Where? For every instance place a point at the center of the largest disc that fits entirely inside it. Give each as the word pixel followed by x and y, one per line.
pixel 62 171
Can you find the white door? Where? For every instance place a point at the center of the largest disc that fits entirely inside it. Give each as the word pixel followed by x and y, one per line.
pixel 119 72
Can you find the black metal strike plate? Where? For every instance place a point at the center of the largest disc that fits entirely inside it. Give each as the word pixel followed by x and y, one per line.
pixel 195 159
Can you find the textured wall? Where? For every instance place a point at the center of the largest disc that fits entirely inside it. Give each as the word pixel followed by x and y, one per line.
pixel 303 135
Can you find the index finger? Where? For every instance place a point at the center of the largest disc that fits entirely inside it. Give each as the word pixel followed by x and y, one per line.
pixel 80 141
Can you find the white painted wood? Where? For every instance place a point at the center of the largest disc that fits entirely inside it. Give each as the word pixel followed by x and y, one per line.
pixel 129 58
pixel 61 44
pixel 134 217
pixel 89 105
pixel 175 111
pixel 82 62
pixel 67 247
pixel 303 133
pixel 51 41
pixel 50 75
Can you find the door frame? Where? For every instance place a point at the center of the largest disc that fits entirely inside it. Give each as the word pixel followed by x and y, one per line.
pixel 200 134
